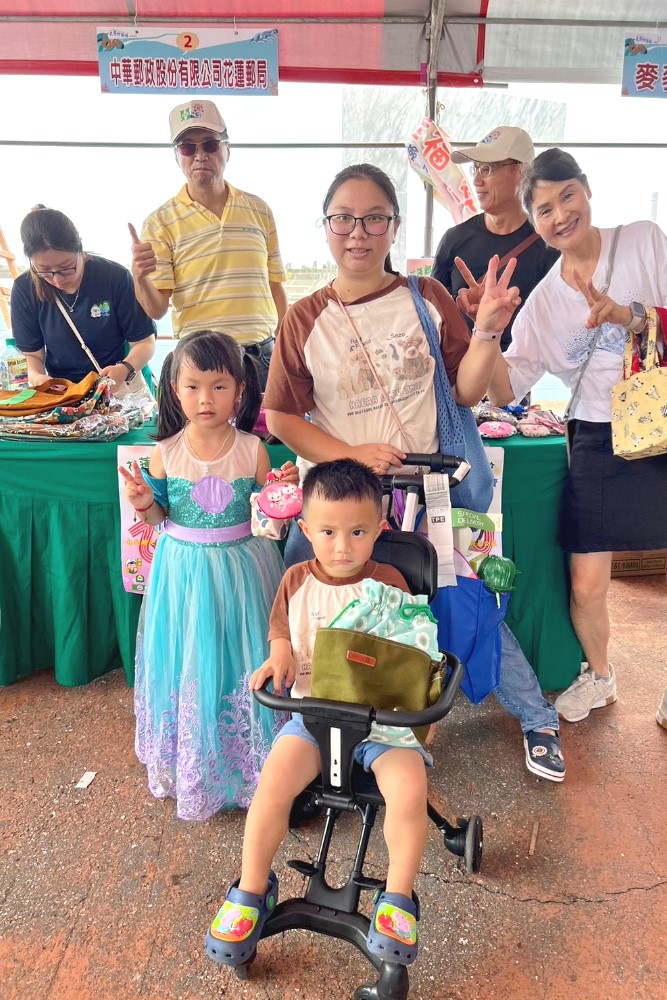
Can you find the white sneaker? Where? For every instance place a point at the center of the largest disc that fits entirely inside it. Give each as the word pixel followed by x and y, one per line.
pixel 586 693
pixel 661 714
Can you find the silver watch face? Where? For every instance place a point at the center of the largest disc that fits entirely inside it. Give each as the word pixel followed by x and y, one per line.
pixel 638 311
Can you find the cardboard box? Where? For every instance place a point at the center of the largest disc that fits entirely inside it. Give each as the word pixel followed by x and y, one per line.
pixel 643 563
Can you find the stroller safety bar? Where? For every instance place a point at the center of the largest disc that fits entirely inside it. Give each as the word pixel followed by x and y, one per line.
pixel 350 711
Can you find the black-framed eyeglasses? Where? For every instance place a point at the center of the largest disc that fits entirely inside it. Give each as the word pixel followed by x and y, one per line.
pixel 208 145
pixel 63 272
pixel 344 225
pixel 486 169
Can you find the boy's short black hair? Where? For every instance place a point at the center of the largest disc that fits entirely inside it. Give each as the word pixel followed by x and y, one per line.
pixel 344 479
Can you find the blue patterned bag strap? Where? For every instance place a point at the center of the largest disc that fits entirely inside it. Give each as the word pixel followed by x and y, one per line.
pixel 450 428
pixel 457 429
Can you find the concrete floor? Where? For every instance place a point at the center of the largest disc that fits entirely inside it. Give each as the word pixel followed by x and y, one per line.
pixel 104 894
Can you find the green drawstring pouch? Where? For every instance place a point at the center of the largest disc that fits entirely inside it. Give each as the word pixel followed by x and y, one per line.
pixel 371 670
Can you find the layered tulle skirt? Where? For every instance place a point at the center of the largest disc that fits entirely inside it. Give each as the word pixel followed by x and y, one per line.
pixel 202 632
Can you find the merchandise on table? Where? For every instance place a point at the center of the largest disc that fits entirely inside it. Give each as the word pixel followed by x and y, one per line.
pixel 13 367
pixel 85 411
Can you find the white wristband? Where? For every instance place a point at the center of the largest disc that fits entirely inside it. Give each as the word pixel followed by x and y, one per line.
pixel 485 334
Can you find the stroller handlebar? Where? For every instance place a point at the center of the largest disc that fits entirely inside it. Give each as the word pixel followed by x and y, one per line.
pixel 458 469
pixel 383 717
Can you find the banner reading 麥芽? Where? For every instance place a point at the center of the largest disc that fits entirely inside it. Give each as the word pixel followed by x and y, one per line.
pixel 210 61
pixel 645 66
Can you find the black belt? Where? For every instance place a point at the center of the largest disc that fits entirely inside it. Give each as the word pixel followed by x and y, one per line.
pixel 263 349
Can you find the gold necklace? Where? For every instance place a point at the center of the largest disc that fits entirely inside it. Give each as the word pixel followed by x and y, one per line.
pixel 210 460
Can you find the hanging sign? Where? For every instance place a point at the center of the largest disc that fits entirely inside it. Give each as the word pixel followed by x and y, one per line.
pixel 430 156
pixel 645 66
pixel 210 61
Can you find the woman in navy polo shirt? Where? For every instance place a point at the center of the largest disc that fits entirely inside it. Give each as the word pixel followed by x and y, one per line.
pixel 97 294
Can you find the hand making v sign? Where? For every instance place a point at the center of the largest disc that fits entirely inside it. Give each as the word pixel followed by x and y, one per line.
pixel 603 309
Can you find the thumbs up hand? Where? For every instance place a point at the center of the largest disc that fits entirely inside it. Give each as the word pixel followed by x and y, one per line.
pixel 144 261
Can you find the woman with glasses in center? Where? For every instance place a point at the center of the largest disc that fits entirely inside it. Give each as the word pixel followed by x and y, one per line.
pixel 67 285
pixel 355 358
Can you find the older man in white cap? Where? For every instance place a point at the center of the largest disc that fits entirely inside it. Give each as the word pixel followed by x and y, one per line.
pixel 212 250
pixel 502 227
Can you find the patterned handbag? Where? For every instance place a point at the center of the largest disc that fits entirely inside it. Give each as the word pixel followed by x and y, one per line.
pixel 639 400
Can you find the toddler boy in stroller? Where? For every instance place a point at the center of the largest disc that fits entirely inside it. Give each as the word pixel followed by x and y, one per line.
pixel 342 517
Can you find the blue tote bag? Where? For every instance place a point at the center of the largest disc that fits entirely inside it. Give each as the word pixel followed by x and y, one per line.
pixel 457 430
pixel 468 619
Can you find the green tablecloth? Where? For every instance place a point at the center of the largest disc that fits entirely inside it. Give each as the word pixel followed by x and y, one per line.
pixel 62 601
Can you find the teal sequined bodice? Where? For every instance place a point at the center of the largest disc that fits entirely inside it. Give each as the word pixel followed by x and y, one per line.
pixel 210 503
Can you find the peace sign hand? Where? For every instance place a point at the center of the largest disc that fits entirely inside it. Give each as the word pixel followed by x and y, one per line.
pixel 499 301
pixel 137 489
pixel 468 299
pixel 603 309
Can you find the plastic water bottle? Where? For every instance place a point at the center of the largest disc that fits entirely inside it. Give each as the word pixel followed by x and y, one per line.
pixel 13 366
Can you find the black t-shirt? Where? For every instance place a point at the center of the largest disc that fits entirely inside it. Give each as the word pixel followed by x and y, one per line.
pixel 106 314
pixel 475 245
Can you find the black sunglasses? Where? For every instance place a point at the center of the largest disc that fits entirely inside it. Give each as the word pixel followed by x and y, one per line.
pixel 190 148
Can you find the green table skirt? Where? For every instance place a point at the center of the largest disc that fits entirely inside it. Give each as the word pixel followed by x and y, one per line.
pixel 538 612
pixel 63 606
pixel 62 602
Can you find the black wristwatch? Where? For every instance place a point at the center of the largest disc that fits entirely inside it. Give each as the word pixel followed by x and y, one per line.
pixel 130 368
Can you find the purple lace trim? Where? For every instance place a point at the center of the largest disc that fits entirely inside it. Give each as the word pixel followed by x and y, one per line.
pixel 204 771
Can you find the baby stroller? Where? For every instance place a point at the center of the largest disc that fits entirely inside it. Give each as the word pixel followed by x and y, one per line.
pixel 344 787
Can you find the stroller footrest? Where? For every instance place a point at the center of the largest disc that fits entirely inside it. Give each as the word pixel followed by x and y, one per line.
pixel 366 882
pixel 303 867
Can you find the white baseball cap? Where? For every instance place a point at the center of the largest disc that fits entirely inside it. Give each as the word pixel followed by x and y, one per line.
pixel 503 143
pixel 195 114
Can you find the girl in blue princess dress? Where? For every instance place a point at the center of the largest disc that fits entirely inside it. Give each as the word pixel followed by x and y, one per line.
pixel 204 621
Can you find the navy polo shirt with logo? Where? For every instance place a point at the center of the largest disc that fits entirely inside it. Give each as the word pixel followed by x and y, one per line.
pixel 106 314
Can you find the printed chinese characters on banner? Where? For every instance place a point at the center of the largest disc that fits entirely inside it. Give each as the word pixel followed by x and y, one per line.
pixel 430 155
pixel 645 66
pixel 209 61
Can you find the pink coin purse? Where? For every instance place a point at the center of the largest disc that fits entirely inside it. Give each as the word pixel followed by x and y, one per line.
pixel 274 507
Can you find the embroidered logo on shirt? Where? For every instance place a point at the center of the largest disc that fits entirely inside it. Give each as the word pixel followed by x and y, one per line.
pixel 103 309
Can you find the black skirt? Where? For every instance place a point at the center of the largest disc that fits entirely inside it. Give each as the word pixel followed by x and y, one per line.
pixel 611 504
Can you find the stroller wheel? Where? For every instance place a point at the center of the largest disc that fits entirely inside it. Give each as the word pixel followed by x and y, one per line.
pixel 243 971
pixel 474 844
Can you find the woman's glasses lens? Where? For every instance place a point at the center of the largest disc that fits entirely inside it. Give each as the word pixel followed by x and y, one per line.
pixel 374 225
pixel 190 148
pixel 64 272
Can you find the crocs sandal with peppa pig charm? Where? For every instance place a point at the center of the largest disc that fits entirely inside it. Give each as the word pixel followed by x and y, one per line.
pixel 392 935
pixel 233 935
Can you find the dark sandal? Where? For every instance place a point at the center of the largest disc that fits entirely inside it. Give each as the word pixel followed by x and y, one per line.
pixel 233 935
pixel 543 755
pixel 393 931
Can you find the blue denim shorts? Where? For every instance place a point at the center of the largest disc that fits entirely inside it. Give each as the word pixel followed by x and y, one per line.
pixel 365 753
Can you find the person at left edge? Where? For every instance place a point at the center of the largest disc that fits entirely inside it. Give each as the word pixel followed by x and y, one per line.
pixel 212 250
pixel 97 294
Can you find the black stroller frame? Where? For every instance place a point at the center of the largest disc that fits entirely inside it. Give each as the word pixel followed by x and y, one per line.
pixel 344 787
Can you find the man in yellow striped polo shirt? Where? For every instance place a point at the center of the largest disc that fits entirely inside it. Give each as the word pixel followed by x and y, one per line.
pixel 212 250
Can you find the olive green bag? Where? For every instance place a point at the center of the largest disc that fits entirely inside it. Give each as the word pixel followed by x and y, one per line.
pixel 370 670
